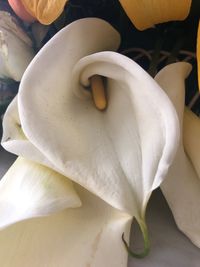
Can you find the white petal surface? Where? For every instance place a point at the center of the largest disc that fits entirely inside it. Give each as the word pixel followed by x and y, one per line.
pixel 191 133
pixel 15 47
pixel 14 139
pixel 10 23
pixel 15 55
pixel 31 190
pixel 81 237
pixel 110 153
pixel 182 187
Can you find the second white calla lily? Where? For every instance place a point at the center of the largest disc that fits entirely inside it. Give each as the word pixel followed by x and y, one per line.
pixel 16 49
pixel 181 188
pixel 191 132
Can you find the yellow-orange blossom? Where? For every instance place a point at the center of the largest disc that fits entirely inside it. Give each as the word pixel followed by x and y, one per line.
pixel 46 11
pixel 146 13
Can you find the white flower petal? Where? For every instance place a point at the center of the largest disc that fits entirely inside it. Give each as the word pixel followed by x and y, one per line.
pixel 181 188
pixel 81 237
pixel 110 153
pixel 31 190
pixel 10 23
pixel 11 124
pixel 14 139
pixel 191 131
pixel 172 80
pixel 15 55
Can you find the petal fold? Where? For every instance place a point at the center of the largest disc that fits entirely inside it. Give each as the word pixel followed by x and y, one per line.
pixel 14 139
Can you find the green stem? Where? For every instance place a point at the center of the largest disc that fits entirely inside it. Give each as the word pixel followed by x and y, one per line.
pixel 145 252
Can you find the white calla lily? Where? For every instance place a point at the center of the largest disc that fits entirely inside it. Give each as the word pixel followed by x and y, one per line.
pixel 181 188
pixel 16 50
pixel 110 153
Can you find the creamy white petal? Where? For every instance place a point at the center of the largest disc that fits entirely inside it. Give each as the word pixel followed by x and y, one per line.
pixel 14 139
pixel 15 55
pixel 10 23
pixel 182 187
pixel 81 237
pixel 31 190
pixel 12 125
pixel 15 47
pixel 110 153
pixel 191 133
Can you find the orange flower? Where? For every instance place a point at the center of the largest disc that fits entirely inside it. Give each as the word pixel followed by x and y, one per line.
pixel 20 10
pixel 145 14
pixel 46 11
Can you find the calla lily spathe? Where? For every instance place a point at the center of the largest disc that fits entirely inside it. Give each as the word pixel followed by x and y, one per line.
pixel 108 156
pixel 16 50
pixel 181 188
pixel 116 150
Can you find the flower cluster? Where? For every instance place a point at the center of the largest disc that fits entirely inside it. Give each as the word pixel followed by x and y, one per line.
pixel 95 134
